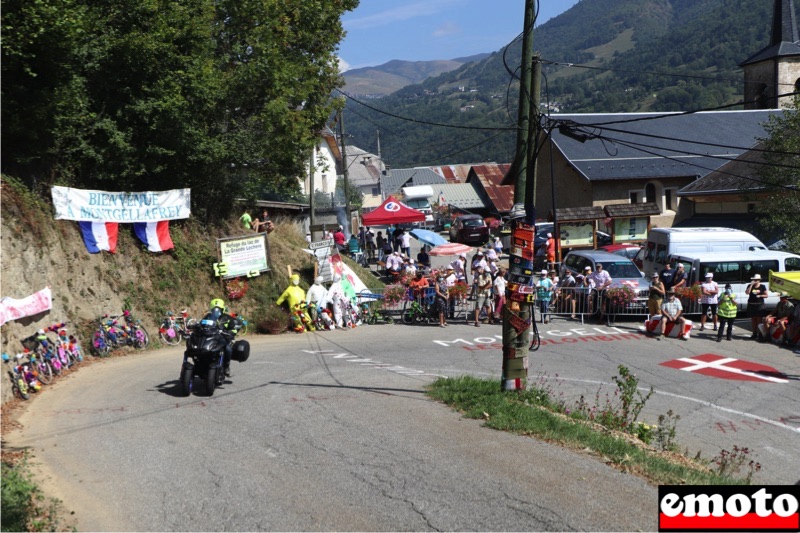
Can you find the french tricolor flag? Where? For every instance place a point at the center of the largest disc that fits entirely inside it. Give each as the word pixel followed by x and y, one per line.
pixel 100 236
pixel 155 235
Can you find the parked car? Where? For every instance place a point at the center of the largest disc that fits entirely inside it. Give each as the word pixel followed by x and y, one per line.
pixel 625 250
pixel 469 229
pixel 622 270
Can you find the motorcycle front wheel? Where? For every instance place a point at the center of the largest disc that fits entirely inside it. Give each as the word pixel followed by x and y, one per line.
pixel 211 381
pixel 186 381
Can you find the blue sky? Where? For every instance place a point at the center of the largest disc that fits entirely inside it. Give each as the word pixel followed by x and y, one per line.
pixel 422 30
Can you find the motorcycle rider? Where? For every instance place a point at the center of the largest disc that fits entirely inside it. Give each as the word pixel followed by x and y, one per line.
pixel 221 315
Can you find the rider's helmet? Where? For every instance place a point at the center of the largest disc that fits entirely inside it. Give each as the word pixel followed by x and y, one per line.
pixel 217 302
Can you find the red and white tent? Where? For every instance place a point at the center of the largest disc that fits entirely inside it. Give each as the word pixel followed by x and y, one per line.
pixel 392 211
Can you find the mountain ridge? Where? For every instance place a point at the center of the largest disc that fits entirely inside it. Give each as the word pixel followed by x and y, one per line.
pixel 600 56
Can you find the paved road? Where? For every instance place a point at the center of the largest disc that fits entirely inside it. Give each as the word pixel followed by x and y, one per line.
pixel 309 441
pixel 331 431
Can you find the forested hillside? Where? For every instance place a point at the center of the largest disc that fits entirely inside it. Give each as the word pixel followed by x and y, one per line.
pixel 225 97
pixel 599 56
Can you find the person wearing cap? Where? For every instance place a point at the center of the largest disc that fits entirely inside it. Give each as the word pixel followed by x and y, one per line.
pixel 544 291
pixel 585 286
pixel 779 317
pixel 756 294
pixel 565 293
pixel 394 263
pixel 450 280
pixel 672 313
pixel 478 261
pixel 656 297
pixel 459 265
pixel 498 246
pixel 483 295
pixel 726 311
pixel 405 242
pixel 550 250
pixel 709 298
pixel 602 279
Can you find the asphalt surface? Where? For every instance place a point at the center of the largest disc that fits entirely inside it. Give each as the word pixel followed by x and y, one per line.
pixel 332 431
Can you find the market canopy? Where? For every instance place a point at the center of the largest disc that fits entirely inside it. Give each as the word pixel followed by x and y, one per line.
pixel 392 212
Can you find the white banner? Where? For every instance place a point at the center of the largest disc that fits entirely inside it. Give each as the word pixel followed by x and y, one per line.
pixel 11 309
pixel 102 206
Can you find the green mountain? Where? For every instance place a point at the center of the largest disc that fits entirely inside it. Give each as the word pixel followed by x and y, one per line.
pixel 634 55
pixel 394 75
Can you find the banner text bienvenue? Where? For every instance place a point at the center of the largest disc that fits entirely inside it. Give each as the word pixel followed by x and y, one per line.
pixel 125 207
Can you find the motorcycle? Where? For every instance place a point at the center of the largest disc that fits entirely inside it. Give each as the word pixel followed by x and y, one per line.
pixel 205 353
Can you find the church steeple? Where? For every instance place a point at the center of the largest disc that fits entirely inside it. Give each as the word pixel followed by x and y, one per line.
pixel 784 23
pixel 775 70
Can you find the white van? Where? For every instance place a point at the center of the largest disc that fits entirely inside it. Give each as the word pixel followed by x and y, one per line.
pixel 738 268
pixel 665 242
pixel 419 198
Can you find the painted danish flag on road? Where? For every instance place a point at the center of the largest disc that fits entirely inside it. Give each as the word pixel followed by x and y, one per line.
pixel 716 366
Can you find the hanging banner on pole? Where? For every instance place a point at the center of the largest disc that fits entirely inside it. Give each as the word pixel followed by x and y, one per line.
pixel 102 206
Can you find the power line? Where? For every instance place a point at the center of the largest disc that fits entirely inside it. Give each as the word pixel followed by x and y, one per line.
pixel 407 119
pixel 755 180
pixel 655 73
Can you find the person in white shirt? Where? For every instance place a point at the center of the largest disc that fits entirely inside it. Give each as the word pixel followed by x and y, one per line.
pixel 709 300
pixel 499 287
pixel 405 243
pixel 450 279
pixel 479 261
pixel 394 263
pixel 492 267
pixel 600 277
pixel 459 267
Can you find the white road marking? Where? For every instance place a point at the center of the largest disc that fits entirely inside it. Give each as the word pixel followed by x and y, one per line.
pixel 719 364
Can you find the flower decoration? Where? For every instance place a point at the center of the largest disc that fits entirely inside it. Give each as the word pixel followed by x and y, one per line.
pixel 691 292
pixel 394 294
pixel 620 296
pixel 236 288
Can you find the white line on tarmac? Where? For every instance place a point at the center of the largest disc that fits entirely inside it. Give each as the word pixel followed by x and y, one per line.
pixel 696 400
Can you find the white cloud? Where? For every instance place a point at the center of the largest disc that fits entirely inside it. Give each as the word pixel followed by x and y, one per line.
pixel 344 66
pixel 398 14
pixel 448 28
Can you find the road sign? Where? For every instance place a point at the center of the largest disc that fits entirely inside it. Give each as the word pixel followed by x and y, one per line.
pixel 717 366
pixel 327 243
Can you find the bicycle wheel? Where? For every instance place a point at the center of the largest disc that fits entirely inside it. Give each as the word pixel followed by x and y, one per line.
pixel 169 333
pixel 140 338
pixel 409 316
pixel 45 374
pixel 536 340
pixel 22 388
pixel 100 343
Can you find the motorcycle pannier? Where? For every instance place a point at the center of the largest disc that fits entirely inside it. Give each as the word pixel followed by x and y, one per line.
pixel 241 351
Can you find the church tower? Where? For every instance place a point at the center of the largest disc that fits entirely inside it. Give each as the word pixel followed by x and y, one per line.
pixel 775 70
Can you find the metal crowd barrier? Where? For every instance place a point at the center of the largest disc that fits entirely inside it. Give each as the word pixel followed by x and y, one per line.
pixel 569 302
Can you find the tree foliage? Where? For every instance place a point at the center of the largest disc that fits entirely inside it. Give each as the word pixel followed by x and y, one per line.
pixel 225 97
pixel 780 210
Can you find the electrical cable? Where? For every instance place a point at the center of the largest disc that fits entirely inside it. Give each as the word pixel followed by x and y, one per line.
pixel 655 73
pixel 407 119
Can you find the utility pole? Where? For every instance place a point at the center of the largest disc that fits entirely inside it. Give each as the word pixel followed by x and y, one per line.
pixel 311 171
pixel 344 169
pixel 380 166
pixel 517 315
